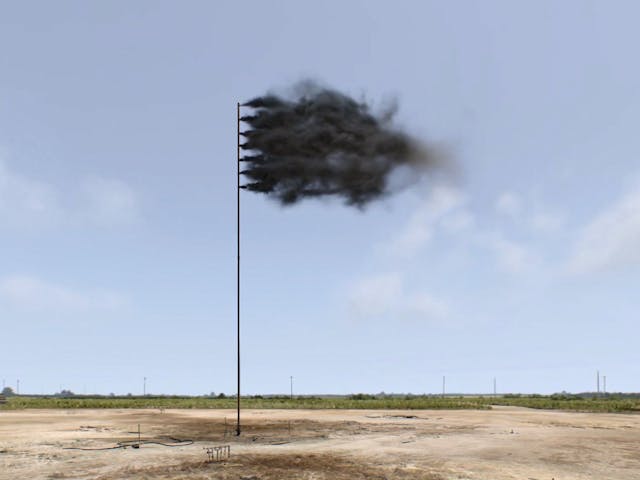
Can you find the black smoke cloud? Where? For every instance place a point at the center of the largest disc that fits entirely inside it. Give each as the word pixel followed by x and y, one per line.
pixel 321 142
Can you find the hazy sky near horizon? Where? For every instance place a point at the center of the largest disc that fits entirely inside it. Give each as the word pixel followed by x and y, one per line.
pixel 117 199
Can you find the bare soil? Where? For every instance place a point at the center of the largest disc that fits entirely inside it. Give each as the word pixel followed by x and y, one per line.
pixel 502 443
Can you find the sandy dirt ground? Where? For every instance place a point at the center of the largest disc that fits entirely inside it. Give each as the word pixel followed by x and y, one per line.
pixel 502 443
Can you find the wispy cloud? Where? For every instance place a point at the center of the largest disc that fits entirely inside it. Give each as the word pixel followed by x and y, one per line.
pixel 31 293
pixel 547 221
pixel 509 203
pixel 387 295
pixel 425 305
pixel 109 202
pixel 511 256
pixel 611 239
pixel 376 295
pixel 458 221
pixel 420 227
pixel 25 201
pixel 31 203
pixel 538 219
pixel 446 210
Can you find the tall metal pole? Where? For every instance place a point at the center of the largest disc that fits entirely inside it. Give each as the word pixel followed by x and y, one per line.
pixel 291 378
pixel 238 267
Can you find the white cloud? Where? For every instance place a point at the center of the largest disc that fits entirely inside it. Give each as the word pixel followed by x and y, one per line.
pixel 420 228
pixel 509 204
pixel 427 306
pixel 445 211
pixel 376 295
pixel 547 221
pixel 611 240
pixel 29 203
pixel 109 202
pixel 458 221
pixel 33 294
pixel 538 219
pixel 512 257
pixel 24 202
pixel 385 294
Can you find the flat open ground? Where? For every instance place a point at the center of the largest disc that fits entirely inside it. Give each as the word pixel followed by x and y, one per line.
pixel 502 443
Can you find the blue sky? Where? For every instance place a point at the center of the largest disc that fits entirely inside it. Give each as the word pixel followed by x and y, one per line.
pixel 117 199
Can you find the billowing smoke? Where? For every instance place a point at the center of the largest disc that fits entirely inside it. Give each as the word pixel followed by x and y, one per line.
pixel 322 142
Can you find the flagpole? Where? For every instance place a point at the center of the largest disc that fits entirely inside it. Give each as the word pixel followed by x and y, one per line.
pixel 238 268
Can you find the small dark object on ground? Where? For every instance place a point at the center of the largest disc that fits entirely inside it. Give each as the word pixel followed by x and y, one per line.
pixel 218 453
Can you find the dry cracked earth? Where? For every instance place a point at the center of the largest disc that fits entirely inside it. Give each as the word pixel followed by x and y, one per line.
pixel 502 443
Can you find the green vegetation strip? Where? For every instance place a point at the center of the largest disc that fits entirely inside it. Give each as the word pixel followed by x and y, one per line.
pixel 360 401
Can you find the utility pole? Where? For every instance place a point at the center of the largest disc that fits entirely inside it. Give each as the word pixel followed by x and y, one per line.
pixel 598 382
pixel 443 385
pixel 18 387
pixel 495 394
pixel 291 379
pixel 604 387
pixel 144 387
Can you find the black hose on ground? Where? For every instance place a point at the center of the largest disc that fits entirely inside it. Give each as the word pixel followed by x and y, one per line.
pixel 136 444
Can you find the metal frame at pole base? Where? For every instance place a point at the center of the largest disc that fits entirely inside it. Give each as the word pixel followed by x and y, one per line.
pixel 238 267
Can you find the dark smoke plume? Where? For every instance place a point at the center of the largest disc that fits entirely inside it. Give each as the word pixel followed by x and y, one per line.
pixel 322 142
